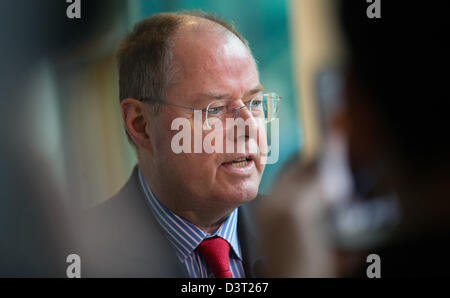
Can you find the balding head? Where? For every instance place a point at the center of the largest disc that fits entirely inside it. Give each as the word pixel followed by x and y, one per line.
pixel 198 47
pixel 145 56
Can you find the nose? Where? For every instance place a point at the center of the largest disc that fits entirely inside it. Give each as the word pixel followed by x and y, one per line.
pixel 238 110
pixel 244 113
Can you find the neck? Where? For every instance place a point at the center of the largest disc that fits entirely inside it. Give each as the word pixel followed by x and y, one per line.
pixel 208 218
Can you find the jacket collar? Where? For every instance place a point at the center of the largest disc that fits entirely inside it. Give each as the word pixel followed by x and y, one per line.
pixel 247 233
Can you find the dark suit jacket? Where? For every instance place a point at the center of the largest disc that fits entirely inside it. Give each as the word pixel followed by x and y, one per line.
pixel 121 238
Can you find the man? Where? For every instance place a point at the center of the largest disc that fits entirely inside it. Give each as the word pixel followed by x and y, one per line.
pixel 180 214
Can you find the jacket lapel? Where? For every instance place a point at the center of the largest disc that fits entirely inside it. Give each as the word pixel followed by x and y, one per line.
pixel 144 220
pixel 252 256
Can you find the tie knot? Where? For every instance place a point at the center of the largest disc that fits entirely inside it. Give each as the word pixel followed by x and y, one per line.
pixel 216 253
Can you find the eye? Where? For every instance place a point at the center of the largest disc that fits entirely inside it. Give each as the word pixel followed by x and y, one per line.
pixel 215 110
pixel 256 103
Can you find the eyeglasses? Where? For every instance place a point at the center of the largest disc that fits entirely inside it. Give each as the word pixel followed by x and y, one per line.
pixel 262 106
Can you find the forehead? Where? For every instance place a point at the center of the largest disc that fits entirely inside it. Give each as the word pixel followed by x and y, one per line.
pixel 212 59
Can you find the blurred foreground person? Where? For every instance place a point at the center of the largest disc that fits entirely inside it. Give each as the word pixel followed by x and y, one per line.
pixel 394 126
pixel 36 232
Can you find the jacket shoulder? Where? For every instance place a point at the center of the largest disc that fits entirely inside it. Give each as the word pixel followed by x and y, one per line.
pixel 121 238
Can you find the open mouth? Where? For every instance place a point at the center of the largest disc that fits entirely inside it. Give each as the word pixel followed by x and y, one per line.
pixel 240 162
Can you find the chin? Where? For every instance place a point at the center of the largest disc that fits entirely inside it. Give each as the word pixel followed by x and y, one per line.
pixel 240 195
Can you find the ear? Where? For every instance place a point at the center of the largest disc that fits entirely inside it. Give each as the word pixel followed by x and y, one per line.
pixel 133 115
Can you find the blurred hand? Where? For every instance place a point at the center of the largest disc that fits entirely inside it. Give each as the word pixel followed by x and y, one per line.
pixel 292 220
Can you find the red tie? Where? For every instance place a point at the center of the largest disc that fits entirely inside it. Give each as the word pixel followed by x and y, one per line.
pixel 215 251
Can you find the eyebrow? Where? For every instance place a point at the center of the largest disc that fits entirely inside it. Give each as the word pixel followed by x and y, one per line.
pixel 213 95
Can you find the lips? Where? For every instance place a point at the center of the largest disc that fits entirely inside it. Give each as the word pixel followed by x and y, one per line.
pixel 241 165
pixel 240 160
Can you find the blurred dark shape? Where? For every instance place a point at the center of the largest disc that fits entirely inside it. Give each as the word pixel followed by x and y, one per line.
pixel 397 126
pixel 401 63
pixel 392 123
pixel 35 228
pixel 31 30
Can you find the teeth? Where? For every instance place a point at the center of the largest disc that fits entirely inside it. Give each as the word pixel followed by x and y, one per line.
pixel 241 159
pixel 240 164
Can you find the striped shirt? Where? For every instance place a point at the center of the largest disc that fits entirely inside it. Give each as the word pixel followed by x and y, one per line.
pixel 185 237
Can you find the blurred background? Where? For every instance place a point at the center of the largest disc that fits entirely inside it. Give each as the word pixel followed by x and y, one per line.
pixel 70 82
pixel 62 143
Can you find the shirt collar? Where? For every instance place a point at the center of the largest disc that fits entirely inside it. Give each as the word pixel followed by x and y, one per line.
pixel 183 235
